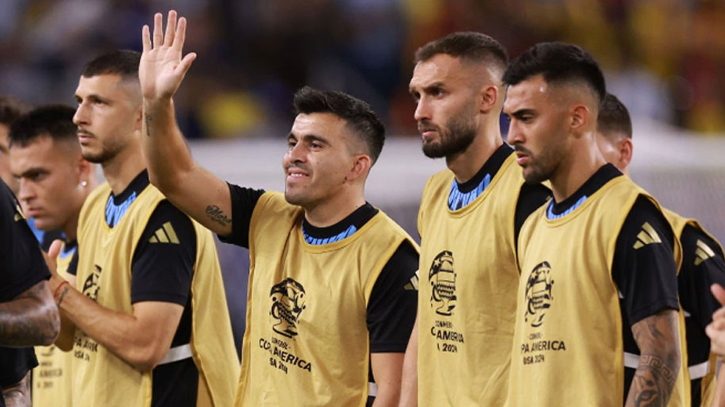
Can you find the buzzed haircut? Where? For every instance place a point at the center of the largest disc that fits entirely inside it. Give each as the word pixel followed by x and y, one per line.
pixel 614 117
pixel 359 116
pixel 54 121
pixel 466 45
pixel 122 62
pixel 559 63
pixel 11 109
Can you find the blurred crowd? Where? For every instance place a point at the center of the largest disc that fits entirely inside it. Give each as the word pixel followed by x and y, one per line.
pixel 661 57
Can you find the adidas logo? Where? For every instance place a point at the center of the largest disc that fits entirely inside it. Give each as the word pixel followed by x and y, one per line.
pixel 703 252
pixel 165 234
pixel 647 236
pixel 413 284
pixel 18 214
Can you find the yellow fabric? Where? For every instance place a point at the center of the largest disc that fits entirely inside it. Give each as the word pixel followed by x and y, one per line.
pixel 464 343
pixel 306 342
pixel 104 275
pixel 568 348
pixel 53 377
pixel 707 384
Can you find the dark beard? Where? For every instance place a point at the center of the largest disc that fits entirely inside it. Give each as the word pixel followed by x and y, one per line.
pixel 456 139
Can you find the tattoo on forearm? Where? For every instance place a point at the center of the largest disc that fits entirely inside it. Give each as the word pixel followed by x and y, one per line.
pixel 30 319
pixel 217 215
pixel 62 295
pixel 658 366
pixel 148 119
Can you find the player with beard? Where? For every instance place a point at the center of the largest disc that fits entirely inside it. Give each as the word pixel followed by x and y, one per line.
pixel 597 261
pixel 147 322
pixel 332 290
pixel 469 219
pixel 702 261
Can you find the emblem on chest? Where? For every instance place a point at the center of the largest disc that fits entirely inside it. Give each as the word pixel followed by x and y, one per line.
pixel 288 302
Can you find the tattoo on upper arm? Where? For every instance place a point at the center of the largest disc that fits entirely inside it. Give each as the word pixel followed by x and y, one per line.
pixel 217 215
pixel 30 319
pixel 657 337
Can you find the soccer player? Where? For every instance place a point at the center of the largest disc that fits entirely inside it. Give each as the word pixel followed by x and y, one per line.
pixel 150 315
pixel 468 221
pixel 597 262
pixel 332 289
pixel 54 181
pixel 702 261
pixel 28 315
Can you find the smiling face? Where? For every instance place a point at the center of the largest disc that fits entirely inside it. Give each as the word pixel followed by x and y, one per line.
pixel 446 111
pixel 538 129
pixel 108 114
pixel 318 159
pixel 49 176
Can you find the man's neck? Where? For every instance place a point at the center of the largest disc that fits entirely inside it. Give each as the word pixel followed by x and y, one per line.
pixel 466 164
pixel 123 168
pixel 573 173
pixel 333 211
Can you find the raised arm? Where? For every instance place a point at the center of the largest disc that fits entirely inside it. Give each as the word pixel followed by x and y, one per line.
pixel 196 191
pixel 659 362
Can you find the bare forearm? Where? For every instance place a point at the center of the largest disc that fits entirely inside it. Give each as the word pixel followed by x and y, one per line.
pixel 409 386
pixel 658 340
pixel 167 156
pixel 18 395
pixel 30 319
pixel 115 331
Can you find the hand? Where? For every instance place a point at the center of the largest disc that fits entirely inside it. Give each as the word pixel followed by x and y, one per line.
pixel 50 261
pixel 716 329
pixel 162 69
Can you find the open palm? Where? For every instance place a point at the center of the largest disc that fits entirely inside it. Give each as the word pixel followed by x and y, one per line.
pixel 162 68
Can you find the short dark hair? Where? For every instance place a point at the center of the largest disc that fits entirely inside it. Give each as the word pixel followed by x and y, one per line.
pixel 614 117
pixel 359 115
pixel 558 62
pixel 121 62
pixel 11 109
pixel 473 46
pixel 54 121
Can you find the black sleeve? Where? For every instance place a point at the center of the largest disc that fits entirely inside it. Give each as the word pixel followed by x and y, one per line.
pixel 702 266
pixel 15 363
pixel 73 265
pixel 164 259
pixel 243 202
pixel 393 302
pixel 22 265
pixel 644 267
pixel 531 197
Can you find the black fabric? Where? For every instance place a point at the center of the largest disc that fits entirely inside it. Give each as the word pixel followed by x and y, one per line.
pixel 603 175
pixel 73 265
pixel 183 393
pixel 358 218
pixel 162 270
pixel 243 202
pixel 491 166
pixel 49 237
pixel 531 197
pixel 646 277
pixel 697 301
pixel 22 264
pixel 15 363
pixel 393 302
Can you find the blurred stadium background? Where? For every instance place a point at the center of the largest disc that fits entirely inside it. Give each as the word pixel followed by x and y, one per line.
pixel 662 58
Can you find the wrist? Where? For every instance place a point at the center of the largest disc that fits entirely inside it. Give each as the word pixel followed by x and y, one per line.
pixel 59 288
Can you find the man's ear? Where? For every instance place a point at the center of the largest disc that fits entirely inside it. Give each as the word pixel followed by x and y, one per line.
pixel 625 151
pixel 360 168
